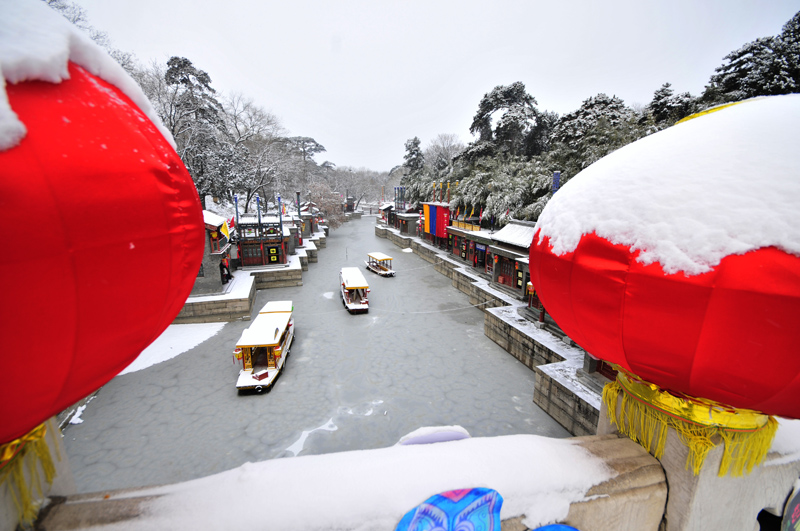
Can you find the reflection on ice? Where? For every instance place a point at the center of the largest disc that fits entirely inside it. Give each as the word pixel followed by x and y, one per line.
pixel 362 410
pixel 297 446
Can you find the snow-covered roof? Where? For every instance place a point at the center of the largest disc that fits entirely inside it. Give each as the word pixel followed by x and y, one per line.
pixel 515 234
pixel 266 329
pixel 353 279
pixel 386 206
pixel 277 307
pixel 250 219
pixel 209 218
pixel 379 256
pixel 37 43
pixel 719 184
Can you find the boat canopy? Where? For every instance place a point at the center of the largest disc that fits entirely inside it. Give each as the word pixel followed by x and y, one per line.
pixel 277 306
pixel 379 256
pixel 353 279
pixel 266 330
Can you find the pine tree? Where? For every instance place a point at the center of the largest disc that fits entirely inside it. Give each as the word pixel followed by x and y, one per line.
pixel 764 67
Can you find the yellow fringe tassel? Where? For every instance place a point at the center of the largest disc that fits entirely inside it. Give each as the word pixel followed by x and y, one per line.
pixel 647 413
pixel 13 466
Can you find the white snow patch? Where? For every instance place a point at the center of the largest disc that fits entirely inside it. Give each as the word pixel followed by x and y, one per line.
pixel 36 43
pixel 408 250
pixel 786 441
pixel 428 432
pixel 328 294
pixel 175 340
pixel 536 476
pixel 686 197
pixel 76 418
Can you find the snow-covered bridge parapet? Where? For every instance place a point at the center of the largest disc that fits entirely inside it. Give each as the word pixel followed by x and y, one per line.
pixel 599 482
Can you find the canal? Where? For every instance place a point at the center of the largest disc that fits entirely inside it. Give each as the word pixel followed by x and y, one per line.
pixel 418 358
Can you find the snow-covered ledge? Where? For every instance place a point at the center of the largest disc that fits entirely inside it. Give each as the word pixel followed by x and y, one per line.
pixel 588 482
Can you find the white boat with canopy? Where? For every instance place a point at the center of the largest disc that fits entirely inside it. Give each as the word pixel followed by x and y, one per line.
pixel 380 263
pixel 264 346
pixel 354 290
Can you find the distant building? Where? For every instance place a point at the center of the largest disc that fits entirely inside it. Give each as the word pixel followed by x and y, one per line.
pixel 510 249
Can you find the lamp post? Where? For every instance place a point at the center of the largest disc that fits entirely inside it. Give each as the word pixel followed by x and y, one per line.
pixel 280 223
pixel 258 209
pixel 280 215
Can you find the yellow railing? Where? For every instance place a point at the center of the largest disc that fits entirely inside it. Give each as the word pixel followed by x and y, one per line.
pixel 466 226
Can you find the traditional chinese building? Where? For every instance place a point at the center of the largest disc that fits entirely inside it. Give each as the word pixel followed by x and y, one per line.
pixel 406 222
pixel 435 223
pixel 262 240
pixel 509 250
pixel 210 279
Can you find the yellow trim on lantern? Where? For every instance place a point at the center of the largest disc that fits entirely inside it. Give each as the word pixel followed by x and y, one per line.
pixel 647 412
pixel 13 465
pixel 710 110
pixel 690 409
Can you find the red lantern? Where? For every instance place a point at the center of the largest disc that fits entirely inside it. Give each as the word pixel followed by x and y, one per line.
pixel 108 237
pixel 730 333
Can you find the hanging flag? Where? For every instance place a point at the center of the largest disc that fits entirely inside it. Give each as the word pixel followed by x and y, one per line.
pixel 224 230
pixel 231 224
pixel 457 211
pixel 480 217
pixel 472 212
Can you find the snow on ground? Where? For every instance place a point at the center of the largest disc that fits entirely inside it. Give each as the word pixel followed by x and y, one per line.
pixel 786 442
pixel 720 184
pixel 175 340
pixel 76 418
pixel 240 286
pixel 373 489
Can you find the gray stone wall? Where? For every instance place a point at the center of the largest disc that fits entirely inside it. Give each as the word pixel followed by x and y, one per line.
pixel 568 409
pixel 211 281
pixel 279 278
pixel 520 345
pixel 216 310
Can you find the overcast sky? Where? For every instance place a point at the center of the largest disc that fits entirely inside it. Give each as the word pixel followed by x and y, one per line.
pixel 362 77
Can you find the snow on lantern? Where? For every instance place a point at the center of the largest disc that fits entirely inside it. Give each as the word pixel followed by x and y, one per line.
pixel 677 258
pixel 107 222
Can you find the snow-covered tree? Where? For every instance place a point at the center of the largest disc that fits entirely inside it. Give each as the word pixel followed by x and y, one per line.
pixel 306 169
pixel 505 117
pixel 601 125
pixel 258 136
pixel 438 156
pixel 328 202
pixel 666 108
pixel 766 66
pixel 418 187
pixel 80 17
pixel 189 109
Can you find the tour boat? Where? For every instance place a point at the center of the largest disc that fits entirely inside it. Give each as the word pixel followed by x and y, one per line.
pixel 380 263
pixel 264 346
pixel 354 290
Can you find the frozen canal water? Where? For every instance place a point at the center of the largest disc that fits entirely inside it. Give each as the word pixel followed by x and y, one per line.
pixel 418 358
